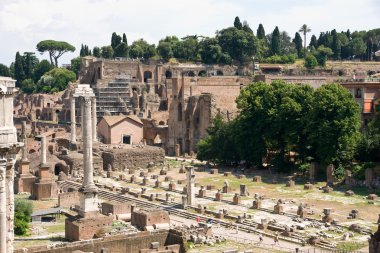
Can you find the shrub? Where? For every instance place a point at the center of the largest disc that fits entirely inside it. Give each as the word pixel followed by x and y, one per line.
pixel 310 61
pixel 23 210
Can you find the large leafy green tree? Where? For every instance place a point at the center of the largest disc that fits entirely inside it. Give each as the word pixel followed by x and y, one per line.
pixel 334 124
pixel 238 44
pixel 141 48
pixel 187 49
pixel 106 52
pixel 210 51
pixel 121 50
pixel 96 52
pixel 55 49
pixel 41 68
pixel 304 29
pixel 55 80
pixel 336 46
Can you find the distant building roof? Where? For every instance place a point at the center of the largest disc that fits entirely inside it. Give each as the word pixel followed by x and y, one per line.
pixel 113 120
pixel 46 212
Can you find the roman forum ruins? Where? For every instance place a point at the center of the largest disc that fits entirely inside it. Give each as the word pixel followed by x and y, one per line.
pixel 109 165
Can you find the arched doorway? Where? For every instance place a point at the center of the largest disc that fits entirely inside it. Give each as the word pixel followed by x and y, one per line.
pixel 168 74
pixel 147 75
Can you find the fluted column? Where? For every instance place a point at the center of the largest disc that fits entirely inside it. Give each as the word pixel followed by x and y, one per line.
pixel 10 174
pixel 3 205
pixel 73 121
pixel 88 181
pixel 94 119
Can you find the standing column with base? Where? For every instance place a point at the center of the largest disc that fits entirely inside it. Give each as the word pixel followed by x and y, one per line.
pixel 88 191
pixel 73 126
pixel 89 220
pixel 190 185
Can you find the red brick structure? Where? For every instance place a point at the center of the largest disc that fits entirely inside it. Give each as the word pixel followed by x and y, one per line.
pixel 144 218
pixel 116 208
pixel 78 229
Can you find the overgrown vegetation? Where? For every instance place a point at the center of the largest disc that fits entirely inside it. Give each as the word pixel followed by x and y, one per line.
pixel 23 210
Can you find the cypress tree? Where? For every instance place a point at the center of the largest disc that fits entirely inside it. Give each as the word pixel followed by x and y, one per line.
pixel 237 23
pixel 81 52
pixel 19 69
pixel 336 47
pixel 276 42
pixel 298 43
pixel 260 32
pixel 313 42
pixel 125 39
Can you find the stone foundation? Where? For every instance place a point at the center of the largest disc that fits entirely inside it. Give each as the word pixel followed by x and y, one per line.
pixel 78 229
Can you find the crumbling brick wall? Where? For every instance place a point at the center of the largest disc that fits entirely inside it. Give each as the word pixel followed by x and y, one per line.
pixel 132 157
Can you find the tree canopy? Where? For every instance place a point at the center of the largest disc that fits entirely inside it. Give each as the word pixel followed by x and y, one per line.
pixel 55 49
pixel 279 119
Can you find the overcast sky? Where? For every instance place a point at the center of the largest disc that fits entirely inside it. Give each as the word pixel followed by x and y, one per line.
pixel 23 23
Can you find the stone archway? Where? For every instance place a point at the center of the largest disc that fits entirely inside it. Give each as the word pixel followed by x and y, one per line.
pixel 147 76
pixel 168 74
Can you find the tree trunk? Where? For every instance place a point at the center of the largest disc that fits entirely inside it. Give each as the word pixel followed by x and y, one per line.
pixel 51 58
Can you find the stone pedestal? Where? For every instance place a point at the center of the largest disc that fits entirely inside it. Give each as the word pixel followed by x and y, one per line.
pixel 256 179
pixel 301 212
pixel 202 192
pixel 158 184
pixel 290 183
pixel 256 204
pixel 327 215
pixel 243 190
pixel 214 171
pixel 308 186
pixel 219 196
pixel 172 186
pixel 145 181
pixel 279 207
pixel 237 199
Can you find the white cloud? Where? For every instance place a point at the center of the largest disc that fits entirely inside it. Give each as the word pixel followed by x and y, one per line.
pixel 23 23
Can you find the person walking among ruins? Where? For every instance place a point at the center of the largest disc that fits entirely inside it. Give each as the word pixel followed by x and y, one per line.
pixel 275 238
pixel 261 238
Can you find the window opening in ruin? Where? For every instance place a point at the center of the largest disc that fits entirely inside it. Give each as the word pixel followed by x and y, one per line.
pixel 147 76
pixel 358 93
pixel 219 73
pixel 99 73
pixel 149 114
pixel 168 74
pixel 179 111
pixel 191 73
pixel 127 139
pixel 202 73
pixel 48 105
pixel 161 123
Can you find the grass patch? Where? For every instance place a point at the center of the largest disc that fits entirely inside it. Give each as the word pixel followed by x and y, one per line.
pixel 350 246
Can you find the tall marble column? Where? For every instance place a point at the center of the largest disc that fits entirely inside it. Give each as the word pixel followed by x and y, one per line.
pixel 190 185
pixel 73 121
pixel 10 175
pixel 88 181
pixel 88 197
pixel 94 119
pixel 3 205
pixel 43 151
